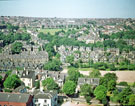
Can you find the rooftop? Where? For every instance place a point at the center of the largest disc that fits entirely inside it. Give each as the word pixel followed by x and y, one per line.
pixel 13 97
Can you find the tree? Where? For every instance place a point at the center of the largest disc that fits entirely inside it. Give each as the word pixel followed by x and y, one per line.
pixel 86 90
pixel 50 84
pixel 88 98
pixel 108 77
pixel 124 95
pixel 70 59
pixel 73 74
pixel 100 92
pixel 111 85
pixel 50 49
pixel 131 100
pixel 133 84
pixel 16 48
pixel 0 79
pixel 100 66
pixel 95 74
pixel 69 88
pixel 12 82
pixel 37 84
pixel 123 83
pixel 53 65
pixel 25 37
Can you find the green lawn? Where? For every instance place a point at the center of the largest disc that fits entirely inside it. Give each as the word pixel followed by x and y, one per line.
pixel 51 31
pixel 85 69
pixel 130 83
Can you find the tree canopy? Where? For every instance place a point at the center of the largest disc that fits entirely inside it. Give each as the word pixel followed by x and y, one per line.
pixel 107 77
pixel 0 79
pixel 16 48
pixel 69 88
pixel 50 84
pixel 73 74
pixel 53 65
pixel 12 82
pixel 95 73
pixel 100 92
pixel 86 90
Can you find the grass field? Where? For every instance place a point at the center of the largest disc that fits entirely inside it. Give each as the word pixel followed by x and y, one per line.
pixel 51 31
pixel 85 69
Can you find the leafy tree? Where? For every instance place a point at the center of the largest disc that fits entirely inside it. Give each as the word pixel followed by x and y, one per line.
pixel 131 100
pixel 49 48
pixel 8 39
pixel 109 43
pixel 16 48
pixel 53 65
pixel 111 67
pixel 108 77
pixel 8 72
pixel 100 66
pixel 37 84
pixel 133 84
pixel 95 73
pixel 12 82
pixel 104 36
pixel 70 59
pixel 100 92
pixel 25 37
pixel 22 36
pixel 88 98
pixel 115 96
pixel 57 55
pixel 0 79
pixel 73 75
pixel 86 90
pixel 123 83
pixel 111 85
pixel 0 49
pixel 124 96
pixel 50 84
pixel 69 88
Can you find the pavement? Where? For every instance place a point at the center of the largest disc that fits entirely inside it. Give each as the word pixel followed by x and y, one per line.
pixel 68 103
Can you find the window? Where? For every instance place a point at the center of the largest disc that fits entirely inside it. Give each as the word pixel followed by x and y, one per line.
pixel 55 99
pixel 36 100
pixel 45 101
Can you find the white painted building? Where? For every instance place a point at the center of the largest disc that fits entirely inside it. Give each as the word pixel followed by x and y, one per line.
pixel 47 98
pixel 28 77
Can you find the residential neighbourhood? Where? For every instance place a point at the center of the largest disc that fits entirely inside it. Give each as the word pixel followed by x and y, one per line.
pixel 56 61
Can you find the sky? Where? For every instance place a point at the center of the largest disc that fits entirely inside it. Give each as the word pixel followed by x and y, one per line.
pixel 69 8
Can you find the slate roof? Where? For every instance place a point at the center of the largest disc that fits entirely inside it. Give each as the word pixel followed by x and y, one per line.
pixel 91 81
pixel 21 89
pixel 44 95
pixel 10 97
pixel 29 75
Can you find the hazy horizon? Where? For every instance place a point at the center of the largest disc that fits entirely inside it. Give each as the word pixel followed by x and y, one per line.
pixel 68 8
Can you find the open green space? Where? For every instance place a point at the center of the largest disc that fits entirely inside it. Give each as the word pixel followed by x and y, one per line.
pixel 51 31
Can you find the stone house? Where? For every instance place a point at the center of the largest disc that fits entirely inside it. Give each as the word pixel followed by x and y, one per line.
pixel 28 77
pixel 58 77
pixel 91 81
pixel 46 98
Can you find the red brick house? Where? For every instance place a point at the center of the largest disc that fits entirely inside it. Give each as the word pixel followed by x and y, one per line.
pixel 15 99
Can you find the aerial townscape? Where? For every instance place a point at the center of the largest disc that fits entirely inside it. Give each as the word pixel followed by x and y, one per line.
pixel 52 61
pixel 67 52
